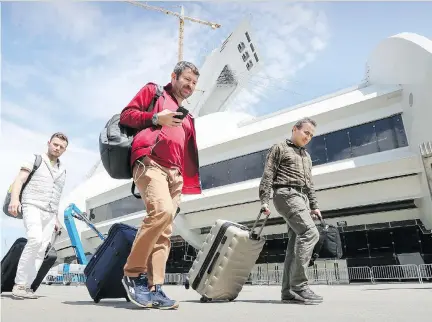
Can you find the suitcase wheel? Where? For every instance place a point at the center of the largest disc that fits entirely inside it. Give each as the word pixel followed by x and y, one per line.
pixel 232 299
pixel 96 300
pixel 127 299
pixel 187 284
pixel 205 299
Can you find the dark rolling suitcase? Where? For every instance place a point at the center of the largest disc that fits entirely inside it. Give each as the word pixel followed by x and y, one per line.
pixel 104 271
pixel 9 265
pixel 48 263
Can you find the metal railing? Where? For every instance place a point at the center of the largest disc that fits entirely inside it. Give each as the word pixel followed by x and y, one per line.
pixel 396 273
pixel 329 275
pixel 65 279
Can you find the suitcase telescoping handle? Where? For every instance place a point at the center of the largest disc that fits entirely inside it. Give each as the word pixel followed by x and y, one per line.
pixel 54 237
pixel 252 234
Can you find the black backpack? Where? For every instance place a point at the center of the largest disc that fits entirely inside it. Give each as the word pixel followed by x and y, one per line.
pixel 7 200
pixel 329 245
pixel 115 143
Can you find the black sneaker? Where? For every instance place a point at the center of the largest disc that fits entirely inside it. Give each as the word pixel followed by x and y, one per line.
pixel 308 295
pixel 161 301
pixel 137 290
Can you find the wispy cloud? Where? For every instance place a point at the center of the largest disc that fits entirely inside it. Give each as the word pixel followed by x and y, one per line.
pixel 94 66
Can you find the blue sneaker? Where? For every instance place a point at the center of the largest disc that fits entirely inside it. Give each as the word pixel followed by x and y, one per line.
pixel 161 301
pixel 137 290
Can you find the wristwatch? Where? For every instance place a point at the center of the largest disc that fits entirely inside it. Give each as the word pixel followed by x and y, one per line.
pixel 155 119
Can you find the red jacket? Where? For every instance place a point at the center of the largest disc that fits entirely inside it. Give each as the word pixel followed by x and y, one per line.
pixel 134 115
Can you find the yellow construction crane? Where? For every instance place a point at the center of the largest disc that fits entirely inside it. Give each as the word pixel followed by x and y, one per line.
pixel 181 17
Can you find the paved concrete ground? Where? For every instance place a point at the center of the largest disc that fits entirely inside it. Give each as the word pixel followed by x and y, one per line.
pixel 383 302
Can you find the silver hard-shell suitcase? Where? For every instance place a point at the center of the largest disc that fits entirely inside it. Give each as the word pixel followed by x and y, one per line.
pixel 225 260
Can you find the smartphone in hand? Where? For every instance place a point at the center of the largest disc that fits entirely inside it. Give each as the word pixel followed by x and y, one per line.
pixel 181 109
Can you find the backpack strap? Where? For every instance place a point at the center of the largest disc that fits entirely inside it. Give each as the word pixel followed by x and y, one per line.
pixel 136 195
pixel 320 243
pixel 159 93
pixel 36 165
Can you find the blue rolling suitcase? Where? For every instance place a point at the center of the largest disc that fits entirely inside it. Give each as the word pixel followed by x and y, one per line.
pixel 104 271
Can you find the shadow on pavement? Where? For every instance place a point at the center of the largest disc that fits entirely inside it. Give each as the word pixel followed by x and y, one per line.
pixel 242 301
pixel 114 304
pixel 10 296
pixel 397 288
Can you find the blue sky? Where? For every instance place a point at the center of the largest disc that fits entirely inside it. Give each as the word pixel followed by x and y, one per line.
pixel 70 66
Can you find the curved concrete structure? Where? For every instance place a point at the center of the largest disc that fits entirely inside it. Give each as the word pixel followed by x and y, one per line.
pixel 372 154
pixel 406 59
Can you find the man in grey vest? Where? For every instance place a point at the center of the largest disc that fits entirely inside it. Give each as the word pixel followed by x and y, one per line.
pixel 288 170
pixel 39 207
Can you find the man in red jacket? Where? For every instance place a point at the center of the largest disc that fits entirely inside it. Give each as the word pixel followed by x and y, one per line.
pixel 164 161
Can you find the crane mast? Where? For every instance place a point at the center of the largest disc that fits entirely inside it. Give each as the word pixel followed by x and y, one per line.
pixel 182 19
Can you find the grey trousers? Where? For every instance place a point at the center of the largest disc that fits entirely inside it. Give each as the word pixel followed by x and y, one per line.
pixel 293 206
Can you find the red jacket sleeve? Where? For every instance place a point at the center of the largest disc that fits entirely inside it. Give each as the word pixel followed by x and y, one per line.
pixel 134 115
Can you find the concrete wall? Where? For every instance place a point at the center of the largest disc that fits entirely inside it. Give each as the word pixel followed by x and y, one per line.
pixel 406 59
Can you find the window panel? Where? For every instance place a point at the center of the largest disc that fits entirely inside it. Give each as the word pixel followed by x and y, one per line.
pixel 380 242
pixel 338 146
pixel 100 213
pixel 125 206
pixel 249 65
pixel 247 167
pixel 245 56
pixel 399 128
pixel 385 135
pixel 118 208
pixel 241 46
pixel 356 244
pixel 406 240
pixel 426 243
pixel 363 140
pixel 384 260
pixel 215 175
pixel 256 57
pixel 317 150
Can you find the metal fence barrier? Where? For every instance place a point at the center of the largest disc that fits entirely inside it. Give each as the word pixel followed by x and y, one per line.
pixel 175 278
pixel 360 274
pixel 396 273
pixel 329 275
pixel 426 272
pixel 65 279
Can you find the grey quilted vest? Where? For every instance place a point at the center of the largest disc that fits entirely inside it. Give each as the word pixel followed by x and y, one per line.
pixel 45 188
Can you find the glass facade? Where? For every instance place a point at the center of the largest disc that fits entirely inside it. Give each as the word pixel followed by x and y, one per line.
pixel 372 137
pixel 118 208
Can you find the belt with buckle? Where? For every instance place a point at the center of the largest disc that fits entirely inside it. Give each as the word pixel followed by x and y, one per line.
pixel 302 189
